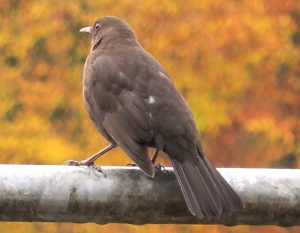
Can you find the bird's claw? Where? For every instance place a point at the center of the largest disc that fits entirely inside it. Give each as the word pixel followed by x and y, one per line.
pixel 72 163
pixel 85 163
pixel 97 168
pixel 131 165
pixel 160 167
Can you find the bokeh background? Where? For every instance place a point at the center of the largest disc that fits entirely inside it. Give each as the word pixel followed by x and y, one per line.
pixel 235 62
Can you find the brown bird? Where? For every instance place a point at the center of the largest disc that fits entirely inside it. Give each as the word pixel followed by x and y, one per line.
pixel 134 104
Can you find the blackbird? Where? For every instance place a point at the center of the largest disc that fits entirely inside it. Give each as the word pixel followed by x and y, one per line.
pixel 133 103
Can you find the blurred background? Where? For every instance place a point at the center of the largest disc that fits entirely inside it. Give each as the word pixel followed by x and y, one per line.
pixel 235 62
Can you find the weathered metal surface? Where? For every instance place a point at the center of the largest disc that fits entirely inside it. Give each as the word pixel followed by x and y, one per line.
pixel 80 194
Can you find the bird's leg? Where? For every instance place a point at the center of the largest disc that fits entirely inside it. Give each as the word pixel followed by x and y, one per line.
pixel 158 166
pixel 92 159
pixel 154 157
pixel 90 162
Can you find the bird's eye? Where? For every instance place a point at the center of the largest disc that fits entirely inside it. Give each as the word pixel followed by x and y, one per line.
pixel 97 26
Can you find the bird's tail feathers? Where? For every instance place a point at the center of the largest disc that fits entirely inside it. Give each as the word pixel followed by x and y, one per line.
pixel 206 192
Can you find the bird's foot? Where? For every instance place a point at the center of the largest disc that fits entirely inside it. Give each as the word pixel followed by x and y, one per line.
pixel 131 165
pixel 98 168
pixel 71 163
pixel 159 167
pixel 85 163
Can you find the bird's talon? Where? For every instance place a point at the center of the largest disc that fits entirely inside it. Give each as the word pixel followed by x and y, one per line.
pixel 85 163
pixel 160 167
pixel 72 163
pixel 131 165
pixel 97 168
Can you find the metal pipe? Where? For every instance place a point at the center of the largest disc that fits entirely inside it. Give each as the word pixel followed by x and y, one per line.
pixel 80 194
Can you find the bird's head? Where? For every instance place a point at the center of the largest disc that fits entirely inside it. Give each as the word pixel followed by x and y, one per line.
pixel 110 28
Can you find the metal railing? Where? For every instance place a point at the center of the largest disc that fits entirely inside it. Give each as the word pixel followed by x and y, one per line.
pixel 126 195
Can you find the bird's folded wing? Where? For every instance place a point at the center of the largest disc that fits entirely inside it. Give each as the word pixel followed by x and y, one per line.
pixel 123 110
pixel 127 133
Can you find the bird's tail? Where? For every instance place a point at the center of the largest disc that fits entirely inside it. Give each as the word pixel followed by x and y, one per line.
pixel 206 192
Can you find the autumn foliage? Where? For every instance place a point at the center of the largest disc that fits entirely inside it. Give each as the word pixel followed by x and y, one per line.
pixel 235 62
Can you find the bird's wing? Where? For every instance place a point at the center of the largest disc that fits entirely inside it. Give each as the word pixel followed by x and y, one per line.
pixel 126 116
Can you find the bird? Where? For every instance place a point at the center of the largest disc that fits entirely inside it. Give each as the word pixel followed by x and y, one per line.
pixel 135 105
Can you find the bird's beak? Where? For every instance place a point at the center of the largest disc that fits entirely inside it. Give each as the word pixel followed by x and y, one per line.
pixel 86 30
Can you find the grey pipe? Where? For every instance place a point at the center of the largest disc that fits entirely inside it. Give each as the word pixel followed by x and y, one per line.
pixel 80 194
